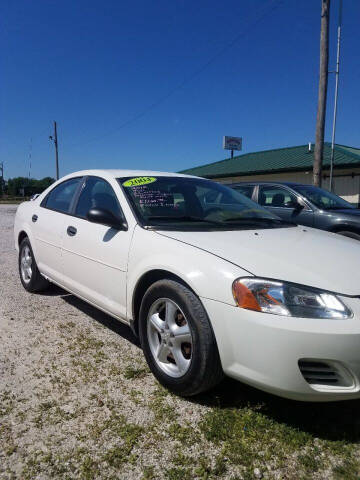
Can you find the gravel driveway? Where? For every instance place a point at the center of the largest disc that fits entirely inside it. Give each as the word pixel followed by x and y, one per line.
pixel 77 401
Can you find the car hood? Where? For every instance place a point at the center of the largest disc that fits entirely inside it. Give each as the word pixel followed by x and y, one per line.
pixel 296 254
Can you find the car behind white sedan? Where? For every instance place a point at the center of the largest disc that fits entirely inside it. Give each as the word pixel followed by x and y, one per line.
pixel 211 283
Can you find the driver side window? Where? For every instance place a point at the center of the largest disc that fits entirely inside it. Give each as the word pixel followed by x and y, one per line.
pixel 276 197
pixel 97 193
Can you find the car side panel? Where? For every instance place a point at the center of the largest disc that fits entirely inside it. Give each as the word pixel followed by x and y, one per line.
pixel 334 221
pixel 48 233
pixel 45 235
pixel 95 263
pixel 208 275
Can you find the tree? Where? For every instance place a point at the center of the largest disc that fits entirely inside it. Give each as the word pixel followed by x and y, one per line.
pixel 30 186
pixel 323 80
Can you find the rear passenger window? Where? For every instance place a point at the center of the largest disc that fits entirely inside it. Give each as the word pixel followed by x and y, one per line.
pixel 60 197
pixel 246 190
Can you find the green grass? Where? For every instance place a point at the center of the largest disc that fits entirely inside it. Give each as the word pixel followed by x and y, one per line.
pixel 131 372
pixel 348 470
pixel 178 473
pixel 7 403
pixel 149 433
pixel 253 428
pixel 148 473
pixel 232 437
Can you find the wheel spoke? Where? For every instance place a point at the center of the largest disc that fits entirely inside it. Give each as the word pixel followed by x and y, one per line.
pixel 163 352
pixel 156 322
pixel 170 310
pixel 181 362
pixel 182 334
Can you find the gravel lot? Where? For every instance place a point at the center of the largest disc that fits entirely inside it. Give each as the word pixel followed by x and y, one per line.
pixel 77 401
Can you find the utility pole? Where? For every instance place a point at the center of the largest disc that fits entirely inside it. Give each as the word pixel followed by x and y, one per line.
pixel 55 140
pixel 337 70
pixel 323 79
pixel 2 178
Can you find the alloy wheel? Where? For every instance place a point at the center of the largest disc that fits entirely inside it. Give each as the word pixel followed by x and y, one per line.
pixel 26 264
pixel 169 337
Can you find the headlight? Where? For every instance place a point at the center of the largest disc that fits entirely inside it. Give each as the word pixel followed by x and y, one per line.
pixel 282 298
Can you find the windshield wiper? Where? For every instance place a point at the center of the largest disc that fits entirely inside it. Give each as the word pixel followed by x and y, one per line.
pixel 258 220
pixel 183 218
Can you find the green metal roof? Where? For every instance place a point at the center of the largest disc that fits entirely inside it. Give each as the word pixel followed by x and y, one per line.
pixel 278 160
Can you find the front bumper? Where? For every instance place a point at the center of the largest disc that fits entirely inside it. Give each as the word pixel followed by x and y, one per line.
pixel 264 350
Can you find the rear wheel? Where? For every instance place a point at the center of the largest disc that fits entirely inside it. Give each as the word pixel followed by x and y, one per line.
pixel 349 234
pixel 30 276
pixel 177 339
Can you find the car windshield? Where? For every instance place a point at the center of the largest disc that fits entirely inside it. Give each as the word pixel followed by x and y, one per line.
pixel 193 203
pixel 322 198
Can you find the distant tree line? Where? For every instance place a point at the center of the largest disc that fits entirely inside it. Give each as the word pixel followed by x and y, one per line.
pixel 19 186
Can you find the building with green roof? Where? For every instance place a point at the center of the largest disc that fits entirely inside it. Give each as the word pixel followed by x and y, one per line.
pixel 289 164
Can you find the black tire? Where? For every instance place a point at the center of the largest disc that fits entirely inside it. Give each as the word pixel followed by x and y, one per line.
pixel 36 282
pixel 347 233
pixel 204 371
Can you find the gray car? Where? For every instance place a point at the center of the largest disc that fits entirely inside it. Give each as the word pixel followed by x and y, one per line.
pixel 306 205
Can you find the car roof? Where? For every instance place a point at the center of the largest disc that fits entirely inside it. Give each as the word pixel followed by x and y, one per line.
pixel 289 184
pixel 118 173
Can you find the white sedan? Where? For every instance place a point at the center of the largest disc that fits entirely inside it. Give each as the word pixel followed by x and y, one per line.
pixel 210 282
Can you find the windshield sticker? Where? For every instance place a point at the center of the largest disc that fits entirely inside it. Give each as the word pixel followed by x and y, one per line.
pixel 148 197
pixel 138 181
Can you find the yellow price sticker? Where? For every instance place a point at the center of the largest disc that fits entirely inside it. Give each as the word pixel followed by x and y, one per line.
pixel 139 181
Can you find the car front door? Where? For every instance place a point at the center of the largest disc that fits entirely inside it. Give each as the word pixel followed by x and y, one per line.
pixel 285 204
pixel 95 256
pixel 48 221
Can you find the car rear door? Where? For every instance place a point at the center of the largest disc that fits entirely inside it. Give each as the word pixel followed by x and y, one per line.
pixel 95 256
pixel 282 202
pixel 48 220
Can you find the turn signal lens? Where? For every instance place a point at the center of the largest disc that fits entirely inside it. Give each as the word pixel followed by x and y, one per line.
pixel 244 298
pixel 282 298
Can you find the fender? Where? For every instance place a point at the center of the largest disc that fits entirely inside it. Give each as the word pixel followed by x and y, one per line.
pixel 22 225
pixel 150 251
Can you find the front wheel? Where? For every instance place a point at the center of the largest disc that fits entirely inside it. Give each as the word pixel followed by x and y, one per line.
pixel 30 276
pixel 177 339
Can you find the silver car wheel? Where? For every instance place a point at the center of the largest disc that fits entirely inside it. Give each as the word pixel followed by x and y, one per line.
pixel 169 337
pixel 26 264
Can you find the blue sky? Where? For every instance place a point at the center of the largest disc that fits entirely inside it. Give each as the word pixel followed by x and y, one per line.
pixel 93 66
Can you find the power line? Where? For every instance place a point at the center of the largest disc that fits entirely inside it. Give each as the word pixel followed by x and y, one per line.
pixel 265 10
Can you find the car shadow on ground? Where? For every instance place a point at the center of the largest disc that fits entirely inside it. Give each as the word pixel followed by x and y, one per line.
pixel 337 421
pixel 94 313
pixel 328 421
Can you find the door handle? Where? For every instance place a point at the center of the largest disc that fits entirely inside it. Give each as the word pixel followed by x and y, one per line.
pixel 34 218
pixel 71 231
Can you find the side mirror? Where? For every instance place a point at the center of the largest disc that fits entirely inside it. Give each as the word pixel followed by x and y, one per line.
pixel 295 204
pixel 105 217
